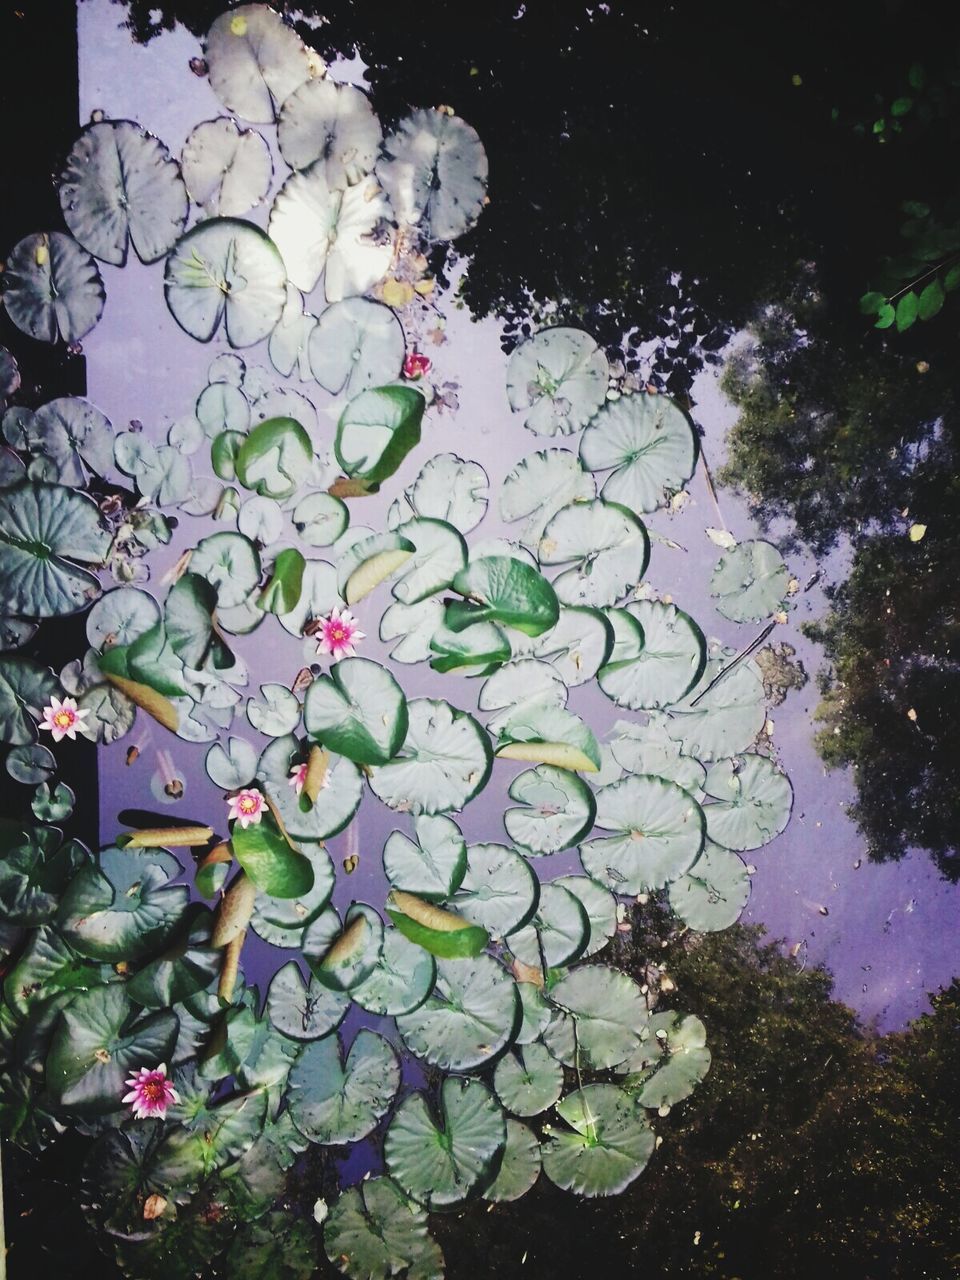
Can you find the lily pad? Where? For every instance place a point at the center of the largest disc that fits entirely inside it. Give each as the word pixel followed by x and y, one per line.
pixel 358 710
pixel 274 458
pixel 472 1015
pixel 606 1147
pixel 600 906
pixel 25 689
pixel 444 762
pixel 440 554
pixel 322 120
pixel 539 486
pixel 256 61
pixel 670 1062
pixel 529 1081
pixel 606 546
pixel 666 664
pixel 322 230
pixel 230 563
pixel 559 809
pixel 434 169
pixel 52 288
pixel 277 711
pixel 303 1011
pixel 499 891
pixel 578 646
pixel 520 1166
pixel 719 717
pixel 120 185
pixel 503 590
pixel 518 688
pixel 560 376
pixel 227 170
pixel 752 805
pixel 558 933
pixel 713 893
pixel 356 344
pixel 433 865
pixel 750 582
pixel 374 1232
pixel 649 443
pixel 413 627
pixel 377 430
pixel 402 980
pixel 124 908
pixel 334 1101
pixel 442 1162
pixel 451 489
pixel 42 529
pixel 226 271
pixel 659 833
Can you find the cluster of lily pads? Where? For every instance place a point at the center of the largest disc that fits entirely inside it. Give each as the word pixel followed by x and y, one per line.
pixel 473 965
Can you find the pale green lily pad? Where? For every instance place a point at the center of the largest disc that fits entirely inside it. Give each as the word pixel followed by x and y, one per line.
pixel 520 1167
pixel 43 528
pixel 374 1232
pixel 559 809
pixel 670 1062
pixel 659 830
pixel 750 581
pixel 334 1102
pixel 559 376
pixel 606 1147
pixel 444 1163
pixel 451 489
pixel 713 893
pixel 752 805
pixel 434 169
pixel 322 120
pixel 227 170
pixel 558 933
pixel 499 891
pixel 256 61
pixel 606 547
pixel 529 1081
pixel 600 906
pixel 444 762
pixel 723 721
pixel 52 288
pixel 539 486
pixel 120 185
pixel 472 1015
pixel 304 1010
pixel 402 980
pixel 431 866
pixel 667 664
pixel 647 443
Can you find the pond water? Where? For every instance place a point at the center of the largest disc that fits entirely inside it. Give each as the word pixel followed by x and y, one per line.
pixel 850 932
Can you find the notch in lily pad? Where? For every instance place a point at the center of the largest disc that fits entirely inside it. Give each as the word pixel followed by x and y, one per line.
pixel 442 933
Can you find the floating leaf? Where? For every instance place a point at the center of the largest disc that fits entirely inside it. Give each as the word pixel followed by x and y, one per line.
pixel 659 833
pixel 230 563
pixel 444 762
pixel 499 891
pixel 559 809
pixel 520 1167
pixel 227 170
pixel 439 932
pixel 529 1081
pixel 545 734
pixel 559 375
pixel 334 1102
pixel 472 1015
pixel 226 270
pixel 402 980
pixel 444 1163
pixel 600 906
pixel 719 719
pixel 120 184
pixel 330 122
pixel 432 866
pixel 503 590
pixel 434 169
pixel 750 582
pixel 256 61
pixel 712 894
pixel 663 666
pixel 26 688
pixel 413 626
pixel 670 1062
pixel 373 1232
pixel 124 908
pixel 752 805
pixel 52 288
pixel 356 344
pixel 539 486
pixel 377 430
pixel 450 489
pixel 558 933
pixel 42 529
pixel 606 1147
pixel 70 433
pixel 270 861
pixel 607 547
pixel 359 711
pixel 649 442
pixel 439 555
pixel 333 232
pixel 335 804
pixel 303 1011
pixel 274 458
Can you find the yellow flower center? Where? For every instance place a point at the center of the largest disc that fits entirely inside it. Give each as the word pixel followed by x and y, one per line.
pixel 63 719
pixel 248 804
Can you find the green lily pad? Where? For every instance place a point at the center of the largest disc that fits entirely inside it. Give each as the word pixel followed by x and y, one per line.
pixel 124 908
pixel 578 646
pixel 335 804
pixel 256 61
pixel 230 563
pixel 42 529
pixel 440 554
pixel 402 980
pixel 724 720
pixel 120 185
pixel 600 906
pixel 472 1015
pixel 434 169
pixel 52 288
pixel 226 271
pixel 670 1062
pixel 450 489
pixel 713 893
pixel 606 546
pixel 558 810
pixel 277 711
pixel 334 1101
pixel 503 590
pixel 529 1081
pixel 413 627
pixel 539 486
pixel 356 344
pixel 606 1147
pixel 666 664
pixel 659 830
pixel 271 863
pixel 320 519
pixel 518 688
pixel 558 933
pixel 322 120
pixel 444 762
pixel 444 1163
pixel 604 1014
pixel 499 891
pixel 752 805
pixel 374 1232
pixel 476 650
pixel 301 1010
pixel 520 1166
pixel 433 864
pixel 274 458
pixel 560 376
pixel 750 581
pixel 25 689
pixel 358 710
pixel 650 445
pixel 226 170
pixel 377 430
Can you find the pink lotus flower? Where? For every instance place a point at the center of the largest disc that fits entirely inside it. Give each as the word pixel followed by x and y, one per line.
pixel 416 365
pixel 63 719
pixel 298 777
pixel 247 806
pixel 338 634
pixel 151 1093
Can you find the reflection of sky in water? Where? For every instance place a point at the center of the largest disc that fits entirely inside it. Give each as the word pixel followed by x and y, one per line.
pixel 887 936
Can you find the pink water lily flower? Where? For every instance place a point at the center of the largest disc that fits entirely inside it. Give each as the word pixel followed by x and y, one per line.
pixel 63 719
pixel 298 777
pixel 416 365
pixel 338 634
pixel 151 1093
pixel 247 806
